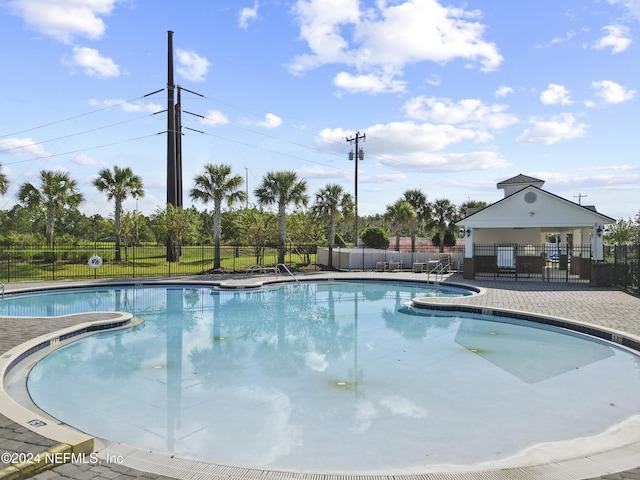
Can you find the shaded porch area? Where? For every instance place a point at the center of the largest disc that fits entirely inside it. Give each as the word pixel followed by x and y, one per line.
pixel 542 262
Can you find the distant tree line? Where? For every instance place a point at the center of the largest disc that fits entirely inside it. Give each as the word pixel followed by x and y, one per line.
pixel 48 211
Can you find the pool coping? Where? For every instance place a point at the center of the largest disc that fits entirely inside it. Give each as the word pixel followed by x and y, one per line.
pixel 19 360
pixel 601 463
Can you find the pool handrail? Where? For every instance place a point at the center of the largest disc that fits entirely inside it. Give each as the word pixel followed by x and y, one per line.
pixel 288 271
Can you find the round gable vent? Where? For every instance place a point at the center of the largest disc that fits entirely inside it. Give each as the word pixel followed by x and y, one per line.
pixel 530 197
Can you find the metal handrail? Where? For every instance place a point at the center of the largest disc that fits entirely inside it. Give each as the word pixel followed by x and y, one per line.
pixel 2 290
pixel 288 271
pixel 438 269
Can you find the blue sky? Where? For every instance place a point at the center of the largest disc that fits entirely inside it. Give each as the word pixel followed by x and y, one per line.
pixel 453 97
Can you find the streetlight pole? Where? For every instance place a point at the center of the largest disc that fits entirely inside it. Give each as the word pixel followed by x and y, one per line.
pixel 359 156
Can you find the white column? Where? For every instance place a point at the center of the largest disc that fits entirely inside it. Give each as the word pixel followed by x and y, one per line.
pixel 468 242
pixel 597 242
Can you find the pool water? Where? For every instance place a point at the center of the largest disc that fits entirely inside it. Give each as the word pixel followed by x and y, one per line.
pixel 328 377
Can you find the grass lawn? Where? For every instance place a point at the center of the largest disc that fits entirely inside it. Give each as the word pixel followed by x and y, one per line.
pixel 139 261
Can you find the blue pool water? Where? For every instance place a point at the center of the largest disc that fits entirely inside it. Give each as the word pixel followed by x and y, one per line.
pixel 326 377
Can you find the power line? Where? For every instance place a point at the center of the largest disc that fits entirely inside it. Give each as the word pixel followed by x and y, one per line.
pixel 76 116
pixel 33 144
pixel 84 149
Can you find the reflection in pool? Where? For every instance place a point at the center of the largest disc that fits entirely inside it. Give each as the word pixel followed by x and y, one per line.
pixel 338 377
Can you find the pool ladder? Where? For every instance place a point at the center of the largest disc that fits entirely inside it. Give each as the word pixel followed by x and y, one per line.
pixel 288 271
pixel 2 290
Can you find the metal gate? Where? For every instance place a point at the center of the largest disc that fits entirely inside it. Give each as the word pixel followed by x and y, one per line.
pixel 549 262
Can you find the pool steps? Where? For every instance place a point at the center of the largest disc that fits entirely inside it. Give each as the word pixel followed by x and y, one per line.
pixel 621 339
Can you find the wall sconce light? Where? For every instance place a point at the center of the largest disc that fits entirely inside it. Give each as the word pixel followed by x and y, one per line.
pixel 599 230
pixel 468 232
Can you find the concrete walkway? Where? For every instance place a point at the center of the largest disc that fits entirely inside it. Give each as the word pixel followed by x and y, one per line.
pixel 604 307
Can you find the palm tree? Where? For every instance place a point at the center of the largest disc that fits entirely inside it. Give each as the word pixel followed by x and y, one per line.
pixel 418 202
pixel 282 188
pixel 471 206
pixel 398 215
pixel 443 214
pixel 119 184
pixel 56 192
pixel 330 204
pixel 4 182
pixel 215 185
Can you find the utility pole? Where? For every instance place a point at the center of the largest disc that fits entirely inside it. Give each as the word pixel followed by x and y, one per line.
pixel 579 197
pixel 359 156
pixel 178 147
pixel 174 132
pixel 174 142
pixel 246 186
pixel 172 197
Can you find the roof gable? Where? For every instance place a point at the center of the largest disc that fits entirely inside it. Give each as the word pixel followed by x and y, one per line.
pixel 520 179
pixel 534 207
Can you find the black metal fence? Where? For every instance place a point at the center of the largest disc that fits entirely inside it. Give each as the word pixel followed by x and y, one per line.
pixel 38 262
pixel 545 262
pixel 625 271
pixel 568 263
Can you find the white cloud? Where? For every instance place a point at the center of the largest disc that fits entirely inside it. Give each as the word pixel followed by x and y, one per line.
pixel 612 92
pixel 387 38
pixel 270 121
pixel 503 91
pixel 64 19
pixel 402 406
pixel 398 137
pixel 94 64
pixel 191 65
pixel 434 80
pixel 247 14
pixel 320 22
pixel 127 106
pixel 411 146
pixel 316 361
pixel 449 162
pixel 467 112
pixel 370 83
pixel 617 39
pixel 85 160
pixel 555 95
pixel 22 147
pixel 430 31
pixel 568 36
pixel 325 173
pixel 558 128
pixel 632 6
pixel 214 117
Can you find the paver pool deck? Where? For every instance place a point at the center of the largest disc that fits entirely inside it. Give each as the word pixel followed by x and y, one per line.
pixel 604 307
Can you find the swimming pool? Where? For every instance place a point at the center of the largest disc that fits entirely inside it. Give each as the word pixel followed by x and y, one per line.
pixel 330 376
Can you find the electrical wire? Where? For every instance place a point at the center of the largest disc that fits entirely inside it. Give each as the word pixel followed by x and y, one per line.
pixel 84 149
pixel 71 118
